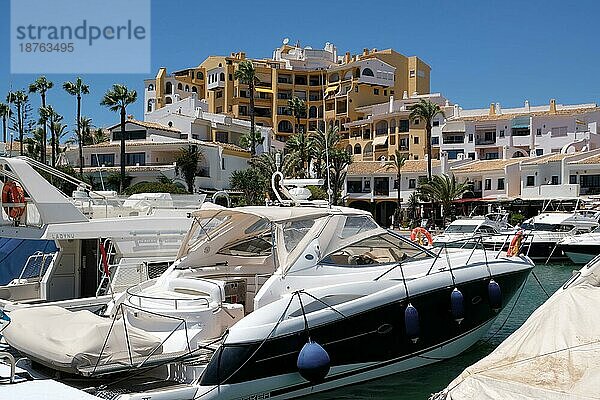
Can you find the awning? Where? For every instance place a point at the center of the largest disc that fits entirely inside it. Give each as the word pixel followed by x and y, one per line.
pixel 380 140
pixel 263 90
pixel 520 122
pixel 332 88
pixel 454 126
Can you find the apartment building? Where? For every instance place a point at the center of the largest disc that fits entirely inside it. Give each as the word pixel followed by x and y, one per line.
pixel 334 86
pixel 498 133
pixel 381 129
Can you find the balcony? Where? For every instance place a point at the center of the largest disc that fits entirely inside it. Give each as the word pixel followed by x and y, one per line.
pixel 481 142
pixel 215 78
pixel 453 139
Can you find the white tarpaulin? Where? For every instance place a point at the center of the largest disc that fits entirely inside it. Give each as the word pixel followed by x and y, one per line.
pixel 554 355
pixel 67 340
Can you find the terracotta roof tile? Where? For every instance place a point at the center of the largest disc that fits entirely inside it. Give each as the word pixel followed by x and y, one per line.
pixel 485 165
pixel 595 159
pixel 147 124
pixel 547 158
pixel 387 167
pixel 500 117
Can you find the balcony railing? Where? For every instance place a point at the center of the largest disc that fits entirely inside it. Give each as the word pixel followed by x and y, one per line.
pixel 485 141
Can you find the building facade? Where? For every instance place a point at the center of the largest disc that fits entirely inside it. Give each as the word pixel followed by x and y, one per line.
pixel 333 86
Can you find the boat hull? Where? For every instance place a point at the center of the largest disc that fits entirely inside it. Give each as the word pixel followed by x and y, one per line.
pixel 362 347
pixel 581 254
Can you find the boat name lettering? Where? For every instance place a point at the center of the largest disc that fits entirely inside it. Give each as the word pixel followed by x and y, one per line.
pixel 63 236
pixel 257 396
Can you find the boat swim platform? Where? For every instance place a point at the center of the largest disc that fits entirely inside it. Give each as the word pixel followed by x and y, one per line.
pixel 143 362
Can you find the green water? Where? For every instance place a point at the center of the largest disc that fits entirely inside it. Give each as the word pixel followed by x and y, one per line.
pixel 420 383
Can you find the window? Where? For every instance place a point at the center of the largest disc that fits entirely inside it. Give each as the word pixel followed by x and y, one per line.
pixel 376 91
pixel 416 121
pixel 538 132
pixel 471 156
pixel 130 135
pixel 435 140
pixel 412 183
pixel 404 125
pixel 108 160
pixel 252 247
pixel 530 180
pixel 435 123
pixel 199 75
pixel 219 94
pixel 223 163
pixel 453 154
pixel 149 107
pixel 243 110
pixel 500 184
pixel 355 225
pixel 381 249
pixel 230 77
pixel 411 73
pixel 356 89
pixel 357 148
pixel 470 138
pixel 135 159
pixel 179 86
pixel 492 156
pixel 219 110
pixel 559 131
pixel 222 137
pixel 367 186
pixel 555 179
pixel 354 186
pixel 295 231
pixel 222 76
pixel 367 72
pixel 169 88
pixel 416 140
pixel 501 132
pixel 150 87
pixel 385 92
pixel 573 179
pixel 392 140
pixel 539 152
pixel 488 184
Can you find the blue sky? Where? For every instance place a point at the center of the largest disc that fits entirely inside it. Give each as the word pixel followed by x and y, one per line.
pixel 479 51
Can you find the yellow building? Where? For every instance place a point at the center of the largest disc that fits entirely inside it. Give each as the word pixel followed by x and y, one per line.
pixel 338 86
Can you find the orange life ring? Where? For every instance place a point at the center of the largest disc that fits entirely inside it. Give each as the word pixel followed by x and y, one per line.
pixel 12 193
pixel 515 244
pixel 417 234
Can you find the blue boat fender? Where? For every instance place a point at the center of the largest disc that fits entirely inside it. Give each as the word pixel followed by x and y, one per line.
pixel 411 321
pixel 495 295
pixel 313 362
pixel 457 305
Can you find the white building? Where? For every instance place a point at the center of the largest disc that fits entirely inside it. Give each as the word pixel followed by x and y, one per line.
pixel 491 179
pixel 497 133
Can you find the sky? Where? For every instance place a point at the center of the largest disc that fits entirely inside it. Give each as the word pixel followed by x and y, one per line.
pixel 479 51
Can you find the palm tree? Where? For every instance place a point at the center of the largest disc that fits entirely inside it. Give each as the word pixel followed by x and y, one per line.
pixel 339 159
pixel 426 110
pixel 298 108
pixel 99 136
pixel 4 113
pixel 18 98
pixel 78 88
pixel 300 148
pixel 60 131
pixel 51 117
pixel 444 190
pixel 320 141
pixel 41 86
pixel 187 164
pixel 117 99
pixel 399 161
pixel 266 163
pixel 250 137
pixel 86 130
pixel 246 73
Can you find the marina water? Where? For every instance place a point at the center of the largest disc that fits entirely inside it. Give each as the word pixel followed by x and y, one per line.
pixel 420 383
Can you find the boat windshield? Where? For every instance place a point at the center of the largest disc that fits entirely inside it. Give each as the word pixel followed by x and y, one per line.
pixel 202 228
pixel 251 247
pixel 458 228
pixel 379 249
pixel 547 227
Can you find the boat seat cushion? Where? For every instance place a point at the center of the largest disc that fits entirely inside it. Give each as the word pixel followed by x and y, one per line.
pixel 67 340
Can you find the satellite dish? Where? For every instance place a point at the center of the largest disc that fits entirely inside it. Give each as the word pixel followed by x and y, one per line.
pixel 286 40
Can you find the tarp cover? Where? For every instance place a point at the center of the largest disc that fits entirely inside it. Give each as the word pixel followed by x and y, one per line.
pixel 67 340
pixel 555 354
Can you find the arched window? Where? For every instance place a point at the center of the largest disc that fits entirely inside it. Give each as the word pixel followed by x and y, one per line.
pixel 337 123
pixel 392 157
pixel 285 126
pixel 169 88
pixel 169 100
pixel 179 86
pixel 348 75
pixel 320 112
pixel 199 75
pixel 220 65
pixel 150 87
pixel 368 151
pixel 149 107
pixel 393 126
pixel 357 148
pixel 312 112
pixel 367 72
pixel 170 124
pixel 334 77
pixel 194 89
pixel 222 76
pixel 349 149
pixel 187 88
pixel 381 127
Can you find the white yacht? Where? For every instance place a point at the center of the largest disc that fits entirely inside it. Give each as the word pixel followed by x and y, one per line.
pixel 581 248
pixel 468 232
pixel 271 302
pixel 90 245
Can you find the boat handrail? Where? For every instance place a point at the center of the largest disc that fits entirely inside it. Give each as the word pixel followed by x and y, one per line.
pixel 43 267
pixel 140 297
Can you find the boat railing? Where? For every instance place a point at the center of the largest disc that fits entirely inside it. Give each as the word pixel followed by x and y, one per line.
pixel 36 266
pixel 134 296
pixel 125 275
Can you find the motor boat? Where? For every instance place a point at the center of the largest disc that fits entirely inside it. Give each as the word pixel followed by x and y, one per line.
pixel 581 248
pixel 543 233
pixel 553 355
pixel 468 232
pixel 88 246
pixel 274 302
